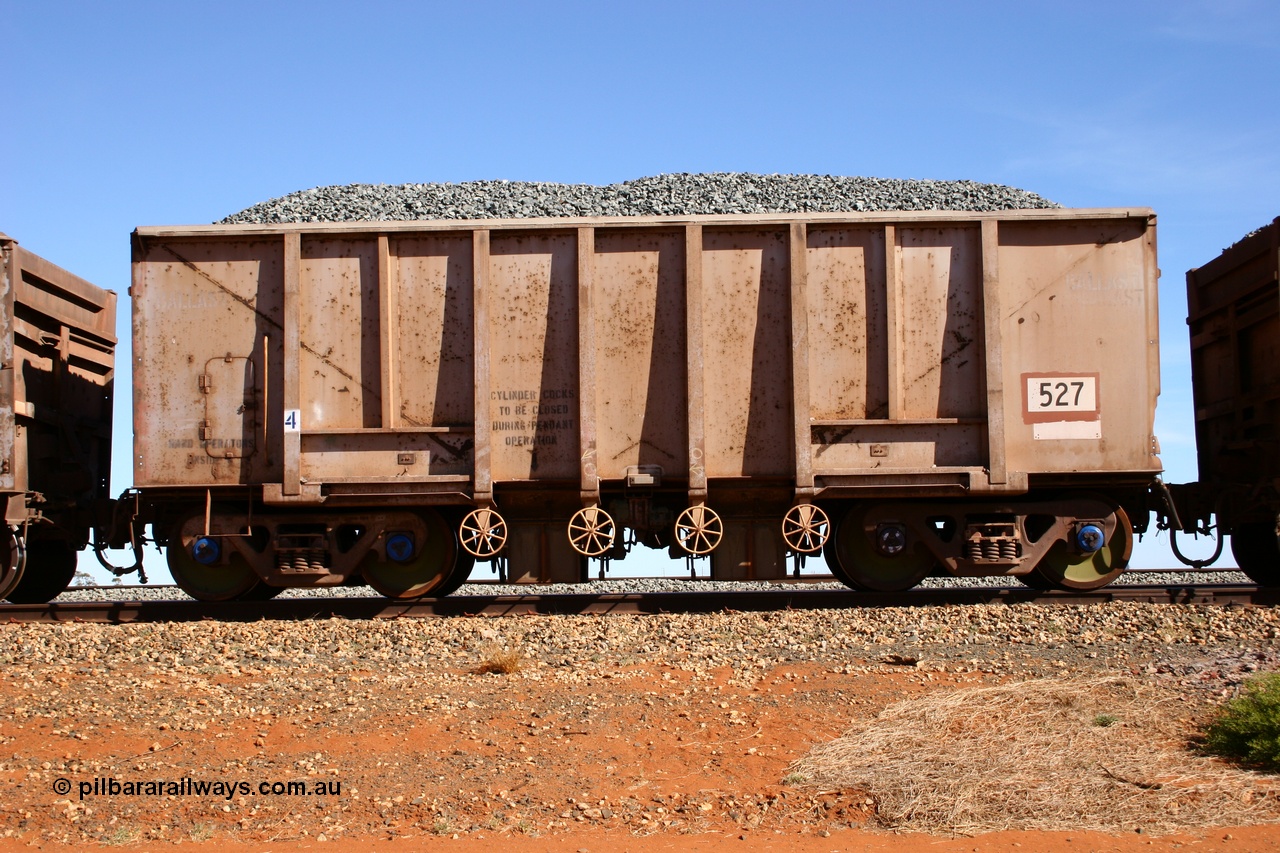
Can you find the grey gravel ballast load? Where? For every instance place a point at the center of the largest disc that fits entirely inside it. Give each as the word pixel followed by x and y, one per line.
pixel 663 195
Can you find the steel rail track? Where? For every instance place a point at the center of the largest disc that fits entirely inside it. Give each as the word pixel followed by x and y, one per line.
pixel 294 609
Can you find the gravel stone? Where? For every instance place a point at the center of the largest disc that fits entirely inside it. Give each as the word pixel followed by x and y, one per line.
pixel 662 195
pixel 428 742
pixel 167 592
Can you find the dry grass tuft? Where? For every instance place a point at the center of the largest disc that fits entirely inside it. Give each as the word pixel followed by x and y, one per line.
pixel 1098 755
pixel 502 661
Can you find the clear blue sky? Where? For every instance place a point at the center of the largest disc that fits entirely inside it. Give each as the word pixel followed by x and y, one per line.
pixel 126 113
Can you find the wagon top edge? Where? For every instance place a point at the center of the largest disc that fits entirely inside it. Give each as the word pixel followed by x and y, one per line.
pixel 566 223
pixel 1237 254
pixel 65 280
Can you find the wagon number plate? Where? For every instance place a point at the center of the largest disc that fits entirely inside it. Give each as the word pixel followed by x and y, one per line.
pixel 1052 397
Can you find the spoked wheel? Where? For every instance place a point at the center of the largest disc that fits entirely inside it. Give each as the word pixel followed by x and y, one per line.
pixel 1256 548
pixel 51 564
pixel 699 530
pixel 207 568
pixel 483 533
pixel 591 531
pixel 854 559
pixel 1064 568
pixel 806 528
pixel 420 559
pixel 12 561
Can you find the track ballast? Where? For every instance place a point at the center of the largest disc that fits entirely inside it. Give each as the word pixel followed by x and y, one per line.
pixel 784 598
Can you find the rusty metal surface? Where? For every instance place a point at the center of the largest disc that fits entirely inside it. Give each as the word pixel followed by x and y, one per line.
pixel 897 344
pixel 533 347
pixel 8 423
pixel 194 302
pixel 57 360
pixel 1085 308
pixel 744 361
pixel 1234 318
pixel 640 349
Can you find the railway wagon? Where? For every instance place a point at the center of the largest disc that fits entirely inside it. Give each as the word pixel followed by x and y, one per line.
pixel 388 402
pixel 1234 318
pixel 57 361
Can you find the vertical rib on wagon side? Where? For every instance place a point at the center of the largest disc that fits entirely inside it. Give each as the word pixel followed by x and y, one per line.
pixel 386 402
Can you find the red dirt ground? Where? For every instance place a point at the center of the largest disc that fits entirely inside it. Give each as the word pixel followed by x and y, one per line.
pixel 658 760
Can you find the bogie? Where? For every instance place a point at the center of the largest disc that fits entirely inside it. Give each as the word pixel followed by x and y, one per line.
pixel 228 554
pixel 1069 542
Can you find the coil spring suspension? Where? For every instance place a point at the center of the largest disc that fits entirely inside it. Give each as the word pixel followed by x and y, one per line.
pixel 992 543
pixel 302 560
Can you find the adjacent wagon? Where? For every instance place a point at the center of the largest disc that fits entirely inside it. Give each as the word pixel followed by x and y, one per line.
pixel 1234 317
pixel 57 360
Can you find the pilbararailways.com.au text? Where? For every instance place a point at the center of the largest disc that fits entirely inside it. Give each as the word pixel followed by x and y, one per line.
pixel 188 787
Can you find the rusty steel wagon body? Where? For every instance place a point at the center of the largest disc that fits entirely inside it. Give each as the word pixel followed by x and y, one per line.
pixel 56 380
pixel 1234 318
pixel 385 402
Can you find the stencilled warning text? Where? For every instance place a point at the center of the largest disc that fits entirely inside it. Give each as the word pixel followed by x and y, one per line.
pixel 533 418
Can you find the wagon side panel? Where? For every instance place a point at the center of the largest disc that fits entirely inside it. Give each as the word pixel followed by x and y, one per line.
pixel 640 352
pixel 209 361
pixel 1078 330
pixel 847 325
pixel 896 354
pixel 433 358
pixel 8 423
pixel 745 352
pixel 340 375
pixel 533 356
